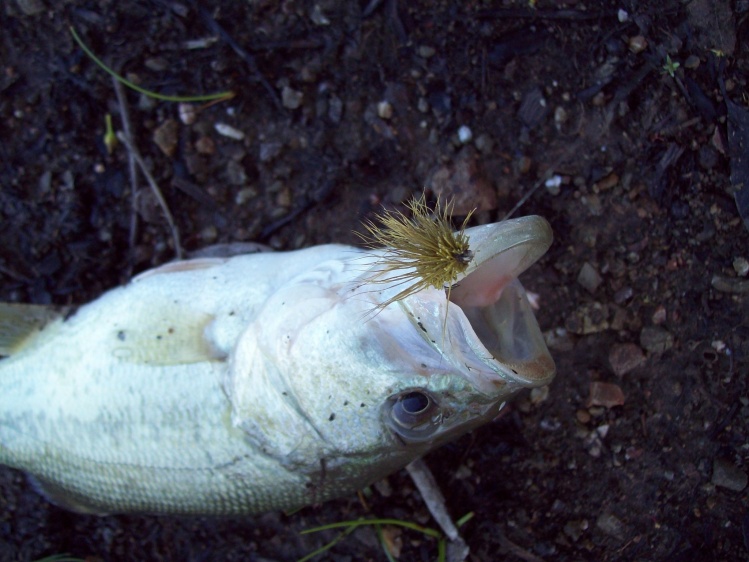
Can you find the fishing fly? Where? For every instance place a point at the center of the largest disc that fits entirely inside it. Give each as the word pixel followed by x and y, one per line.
pixel 422 250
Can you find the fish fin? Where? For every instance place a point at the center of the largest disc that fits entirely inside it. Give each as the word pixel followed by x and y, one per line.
pixel 21 323
pixel 172 334
pixel 181 266
pixel 59 496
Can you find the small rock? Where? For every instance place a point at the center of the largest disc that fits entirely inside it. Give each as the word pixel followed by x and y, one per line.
pixel 187 113
pixel 318 17
pixel 605 394
pixel 157 64
pixel 165 137
pixel 655 339
pixel 290 98
pixel 611 525
pixel 574 529
pixel 465 134
pixel 692 62
pixel 384 110
pixel 484 143
pixel 553 185
pixel 533 108
pixel 659 316
pixel 727 475
pixel 589 278
pixel 205 145
pixel 426 52
pixel 590 318
pixel 625 357
pixel 637 44
pixel 269 150
pixel 464 182
pixel 539 394
pixel 741 266
pixel 228 131
pixel 235 173
pixel 606 182
pixel 583 416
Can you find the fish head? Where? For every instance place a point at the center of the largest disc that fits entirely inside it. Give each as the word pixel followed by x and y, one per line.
pixel 331 385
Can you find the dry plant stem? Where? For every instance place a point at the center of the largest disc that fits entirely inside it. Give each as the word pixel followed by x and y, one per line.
pixel 133 172
pixel 156 191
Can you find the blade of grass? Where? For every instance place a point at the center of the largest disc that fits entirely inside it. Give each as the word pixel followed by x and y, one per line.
pixel 207 97
pixel 359 522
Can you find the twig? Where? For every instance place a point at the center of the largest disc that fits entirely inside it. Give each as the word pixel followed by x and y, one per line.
pixel 156 191
pixel 133 172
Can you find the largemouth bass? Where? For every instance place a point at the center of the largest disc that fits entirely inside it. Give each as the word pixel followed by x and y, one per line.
pixel 265 381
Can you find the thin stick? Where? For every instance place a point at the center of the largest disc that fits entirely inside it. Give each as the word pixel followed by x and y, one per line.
pixel 156 191
pixel 133 172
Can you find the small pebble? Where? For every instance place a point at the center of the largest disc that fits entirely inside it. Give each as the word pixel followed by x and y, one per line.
pixel 692 62
pixel 637 44
pixel 659 316
pixel 625 357
pixel 290 98
pixel 741 266
pixel 165 136
pixel 426 51
pixel 610 525
pixel 384 110
pixel 465 134
pixel 484 143
pixel 655 339
pixel 553 185
pixel 228 131
pixel 205 145
pixel 187 113
pixel 727 475
pixel 605 394
pixel 589 278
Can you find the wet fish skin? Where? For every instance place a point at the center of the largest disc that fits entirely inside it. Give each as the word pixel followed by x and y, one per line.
pixel 265 381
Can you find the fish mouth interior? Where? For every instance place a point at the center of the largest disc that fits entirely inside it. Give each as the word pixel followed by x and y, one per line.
pixel 499 325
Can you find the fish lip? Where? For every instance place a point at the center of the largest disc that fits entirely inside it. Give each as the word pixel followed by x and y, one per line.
pixel 489 331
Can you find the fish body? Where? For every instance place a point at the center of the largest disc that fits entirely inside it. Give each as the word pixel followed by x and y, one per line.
pixel 264 381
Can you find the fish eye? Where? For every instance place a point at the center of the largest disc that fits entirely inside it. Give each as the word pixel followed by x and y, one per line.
pixel 414 414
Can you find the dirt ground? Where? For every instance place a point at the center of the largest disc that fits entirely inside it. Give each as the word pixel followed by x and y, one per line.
pixel 607 118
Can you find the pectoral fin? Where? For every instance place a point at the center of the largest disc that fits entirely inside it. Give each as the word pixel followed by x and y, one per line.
pixel 171 335
pixel 21 323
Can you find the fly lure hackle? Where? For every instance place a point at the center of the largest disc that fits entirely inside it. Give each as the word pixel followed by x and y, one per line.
pixel 422 250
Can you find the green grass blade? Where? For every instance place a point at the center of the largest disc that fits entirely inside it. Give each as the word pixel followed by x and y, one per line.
pixel 155 95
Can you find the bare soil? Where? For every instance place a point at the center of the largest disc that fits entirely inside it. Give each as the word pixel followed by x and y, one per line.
pixel 347 105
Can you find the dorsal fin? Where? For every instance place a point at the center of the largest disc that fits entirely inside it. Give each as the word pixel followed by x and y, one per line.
pixel 20 323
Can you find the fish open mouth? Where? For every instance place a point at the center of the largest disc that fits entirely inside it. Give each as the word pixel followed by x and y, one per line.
pixel 488 329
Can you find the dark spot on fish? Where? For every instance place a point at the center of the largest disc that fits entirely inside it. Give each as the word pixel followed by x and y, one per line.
pixel 231 313
pixel 423 365
pixel 159 337
pixel 514 371
pixel 170 330
pixel 431 340
pixel 284 393
pixel 362 405
pixel 332 417
pixel 345 402
pixel 121 335
pixel 422 327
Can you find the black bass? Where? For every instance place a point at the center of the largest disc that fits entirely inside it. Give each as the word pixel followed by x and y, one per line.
pixel 264 381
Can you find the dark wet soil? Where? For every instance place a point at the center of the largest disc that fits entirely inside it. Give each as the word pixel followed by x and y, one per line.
pixel 639 450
